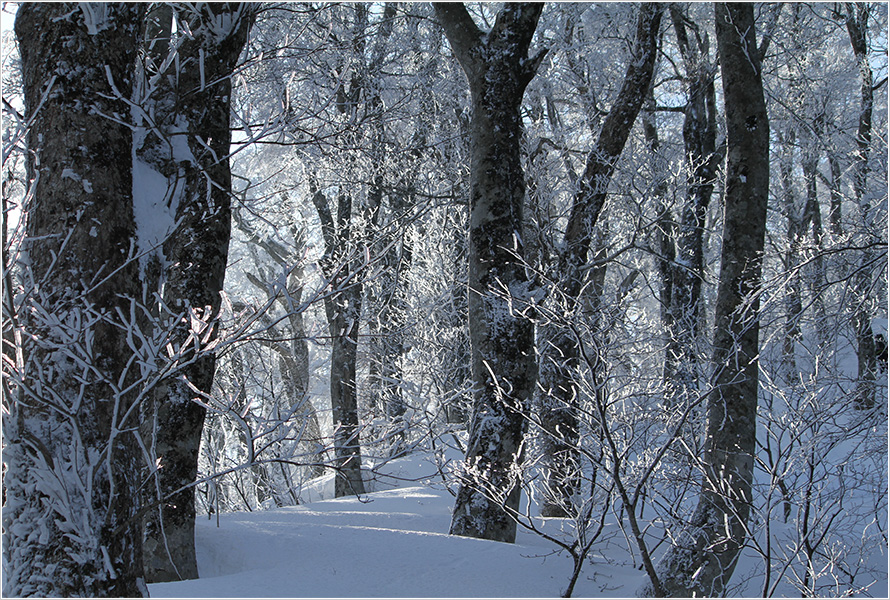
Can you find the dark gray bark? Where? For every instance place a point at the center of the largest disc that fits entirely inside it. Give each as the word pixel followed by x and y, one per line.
pixel 702 159
pixel 702 558
pixel 196 251
pixel 793 301
pixel 857 27
pixel 501 330
pixel 70 524
pixel 343 307
pixel 560 354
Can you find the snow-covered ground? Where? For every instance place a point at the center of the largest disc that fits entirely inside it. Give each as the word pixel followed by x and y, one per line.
pixel 391 543
pixel 394 542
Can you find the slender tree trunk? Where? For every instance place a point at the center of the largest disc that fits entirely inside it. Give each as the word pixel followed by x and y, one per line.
pixel 793 302
pixel 702 558
pixel 343 311
pixel 835 213
pixel 293 356
pixel 812 216
pixel 699 141
pixel 857 27
pixel 560 354
pixel 200 184
pixel 501 329
pixel 387 330
pixel 663 244
pixel 69 523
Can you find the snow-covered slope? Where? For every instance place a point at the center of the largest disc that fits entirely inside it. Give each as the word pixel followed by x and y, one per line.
pixel 391 543
pixel 394 542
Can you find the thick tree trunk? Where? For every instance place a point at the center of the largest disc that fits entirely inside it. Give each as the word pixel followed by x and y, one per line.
pixel 560 354
pixel 196 251
pixel 501 328
pixel 702 558
pixel 70 524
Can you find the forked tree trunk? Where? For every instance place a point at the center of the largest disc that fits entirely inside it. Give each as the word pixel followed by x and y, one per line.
pixel 501 329
pixel 70 522
pixel 703 556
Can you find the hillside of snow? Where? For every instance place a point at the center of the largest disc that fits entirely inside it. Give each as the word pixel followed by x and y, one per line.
pixel 389 543
pixel 394 542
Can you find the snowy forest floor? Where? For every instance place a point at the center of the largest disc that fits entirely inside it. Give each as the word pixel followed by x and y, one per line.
pixel 394 542
pixel 391 543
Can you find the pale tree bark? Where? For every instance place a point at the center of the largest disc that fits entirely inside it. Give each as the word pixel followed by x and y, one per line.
pixel 70 519
pixel 388 306
pixel 387 302
pixel 665 228
pixel 560 354
pixel 702 558
pixel 288 341
pixel 498 70
pixel 195 106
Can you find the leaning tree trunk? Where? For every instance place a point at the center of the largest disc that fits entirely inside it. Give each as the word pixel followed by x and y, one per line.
pixel 70 519
pixel 501 328
pixel 560 354
pixel 703 557
pixel 199 184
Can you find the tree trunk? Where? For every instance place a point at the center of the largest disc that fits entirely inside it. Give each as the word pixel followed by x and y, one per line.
pixel 699 141
pixel 387 331
pixel 199 184
pixel 501 329
pixel 343 323
pixel 70 524
pixel 857 27
pixel 702 558
pixel 293 357
pixel 560 354
pixel 343 308
pixel 793 301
